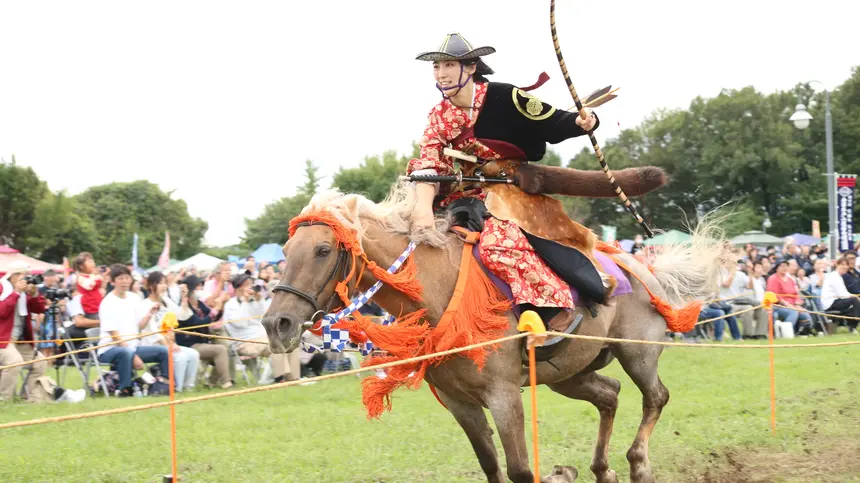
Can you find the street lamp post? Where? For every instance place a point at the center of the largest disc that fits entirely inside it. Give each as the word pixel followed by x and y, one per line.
pixel 801 118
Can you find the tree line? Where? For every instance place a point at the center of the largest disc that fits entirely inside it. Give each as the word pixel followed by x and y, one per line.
pixel 736 148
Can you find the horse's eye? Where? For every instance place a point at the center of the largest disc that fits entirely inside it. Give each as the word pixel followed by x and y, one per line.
pixel 323 251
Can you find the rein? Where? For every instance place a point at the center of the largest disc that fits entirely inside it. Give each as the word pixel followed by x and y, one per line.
pixel 336 339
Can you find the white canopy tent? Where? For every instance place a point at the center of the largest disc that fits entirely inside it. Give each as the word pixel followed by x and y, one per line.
pixel 201 261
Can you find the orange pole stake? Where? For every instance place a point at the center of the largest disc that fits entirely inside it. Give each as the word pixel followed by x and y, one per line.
pixel 769 300
pixel 533 379
pixel 531 321
pixel 167 325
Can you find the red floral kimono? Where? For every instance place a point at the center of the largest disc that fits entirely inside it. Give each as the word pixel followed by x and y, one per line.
pixel 504 249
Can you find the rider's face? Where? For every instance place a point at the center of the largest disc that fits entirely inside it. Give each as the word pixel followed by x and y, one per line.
pixel 448 75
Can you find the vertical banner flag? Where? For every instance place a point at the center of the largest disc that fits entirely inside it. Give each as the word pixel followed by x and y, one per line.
pixel 608 234
pixel 134 253
pixel 164 259
pixel 816 229
pixel 845 211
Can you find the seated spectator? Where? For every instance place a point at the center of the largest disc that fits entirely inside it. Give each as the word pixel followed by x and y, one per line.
pixel 312 362
pixel 245 311
pixel 834 295
pixel 218 286
pixel 173 290
pixel 282 265
pixel 79 320
pixel 804 259
pixel 717 309
pixel 19 302
pixel 756 283
pixel 117 322
pixel 185 359
pixel 733 288
pixel 852 277
pixel 210 351
pixel 816 280
pixel 783 285
pixel 803 281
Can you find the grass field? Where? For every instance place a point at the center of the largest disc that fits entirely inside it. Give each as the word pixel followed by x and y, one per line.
pixel 715 429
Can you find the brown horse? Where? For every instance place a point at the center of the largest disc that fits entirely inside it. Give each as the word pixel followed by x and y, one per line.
pixel 681 273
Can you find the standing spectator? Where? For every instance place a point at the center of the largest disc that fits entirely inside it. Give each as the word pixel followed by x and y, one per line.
pixel 785 288
pixel 250 267
pixel 185 359
pixel 834 295
pixel 282 265
pixel 210 352
pixel 19 301
pixel 852 277
pixel 117 315
pixel 247 308
pixel 89 284
pixel 47 325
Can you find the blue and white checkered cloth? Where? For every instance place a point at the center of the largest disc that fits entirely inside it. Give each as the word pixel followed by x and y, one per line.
pixel 336 340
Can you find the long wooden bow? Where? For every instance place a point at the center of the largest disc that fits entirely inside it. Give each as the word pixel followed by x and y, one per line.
pixel 623 197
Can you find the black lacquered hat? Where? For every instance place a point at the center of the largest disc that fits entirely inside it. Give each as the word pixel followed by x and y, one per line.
pixel 455 47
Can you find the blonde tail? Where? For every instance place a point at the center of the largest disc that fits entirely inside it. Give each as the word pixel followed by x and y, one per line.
pixel 689 270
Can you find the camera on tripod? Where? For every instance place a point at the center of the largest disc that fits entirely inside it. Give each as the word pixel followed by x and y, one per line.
pixel 52 294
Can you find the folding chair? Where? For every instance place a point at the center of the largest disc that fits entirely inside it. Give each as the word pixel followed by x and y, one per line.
pixel 90 357
pixel 233 353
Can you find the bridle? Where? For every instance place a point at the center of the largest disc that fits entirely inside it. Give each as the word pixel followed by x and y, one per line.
pixel 342 261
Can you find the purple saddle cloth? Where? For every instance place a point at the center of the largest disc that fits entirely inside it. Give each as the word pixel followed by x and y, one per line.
pixel 606 262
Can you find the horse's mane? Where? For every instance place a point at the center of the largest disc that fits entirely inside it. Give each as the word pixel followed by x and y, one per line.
pixel 393 215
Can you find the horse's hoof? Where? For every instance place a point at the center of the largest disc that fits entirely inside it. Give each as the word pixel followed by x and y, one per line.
pixel 561 474
pixel 608 477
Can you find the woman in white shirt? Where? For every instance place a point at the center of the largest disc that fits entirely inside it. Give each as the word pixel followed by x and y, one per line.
pixel 834 295
pixel 185 359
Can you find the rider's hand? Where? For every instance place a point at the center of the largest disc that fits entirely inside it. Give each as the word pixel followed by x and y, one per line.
pixel 423 218
pixel 422 214
pixel 589 122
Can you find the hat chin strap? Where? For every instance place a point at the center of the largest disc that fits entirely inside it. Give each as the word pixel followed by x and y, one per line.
pixel 460 84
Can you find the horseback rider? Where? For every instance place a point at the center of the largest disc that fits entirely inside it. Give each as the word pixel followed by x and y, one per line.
pixel 495 122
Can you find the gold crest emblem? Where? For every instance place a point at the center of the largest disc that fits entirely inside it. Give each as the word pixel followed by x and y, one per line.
pixel 534 107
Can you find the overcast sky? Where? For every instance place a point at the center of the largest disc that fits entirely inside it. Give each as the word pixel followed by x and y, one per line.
pixel 224 101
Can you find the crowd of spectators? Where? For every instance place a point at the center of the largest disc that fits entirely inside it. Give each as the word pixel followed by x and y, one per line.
pixel 804 281
pixel 230 301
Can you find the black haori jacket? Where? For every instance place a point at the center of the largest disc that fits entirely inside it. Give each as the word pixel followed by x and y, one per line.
pixel 517 125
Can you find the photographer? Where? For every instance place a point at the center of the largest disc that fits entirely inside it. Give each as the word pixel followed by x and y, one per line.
pixel 19 301
pixel 50 289
pixel 247 309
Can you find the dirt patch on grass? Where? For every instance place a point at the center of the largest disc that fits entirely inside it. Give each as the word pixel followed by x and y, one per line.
pixel 820 458
pixel 824 464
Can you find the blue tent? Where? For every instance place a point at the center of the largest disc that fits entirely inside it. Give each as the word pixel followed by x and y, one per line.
pixel 269 252
pixel 802 239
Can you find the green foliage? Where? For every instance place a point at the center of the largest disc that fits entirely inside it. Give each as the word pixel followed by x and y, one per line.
pixel 736 148
pixel 118 210
pixel 60 230
pixel 21 190
pixel 375 175
pixel 273 226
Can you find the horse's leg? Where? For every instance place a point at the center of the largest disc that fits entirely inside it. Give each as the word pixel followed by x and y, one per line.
pixel 601 391
pixel 506 406
pixel 472 419
pixel 640 363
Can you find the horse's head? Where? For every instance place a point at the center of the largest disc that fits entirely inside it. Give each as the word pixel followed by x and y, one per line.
pixel 306 290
